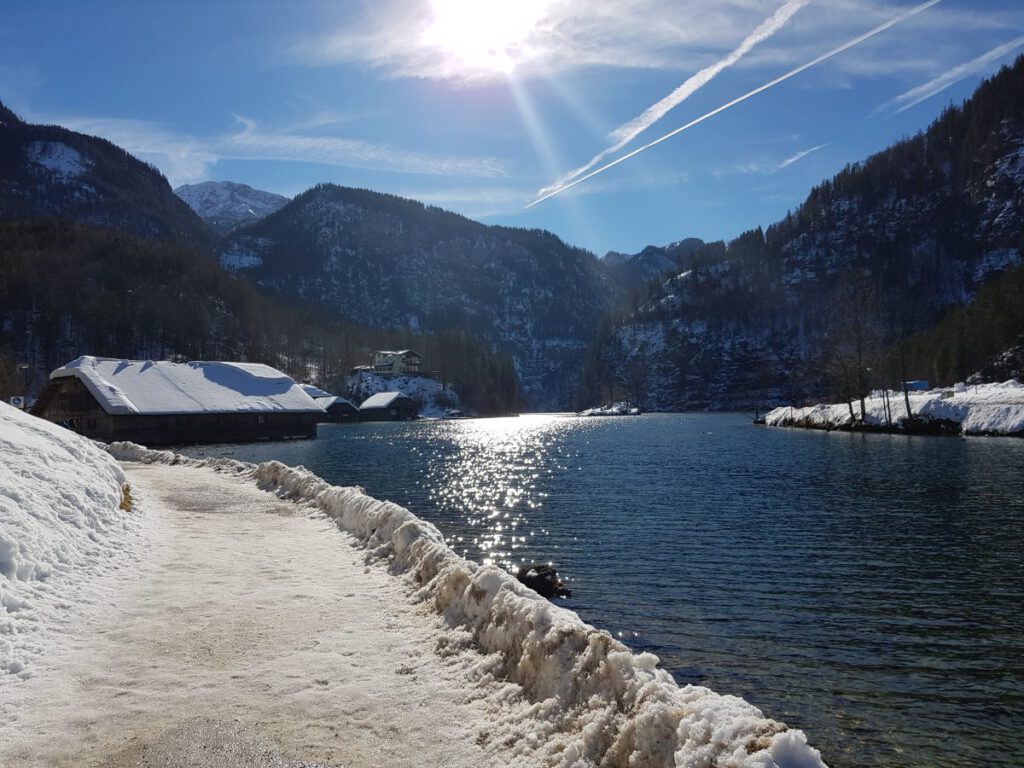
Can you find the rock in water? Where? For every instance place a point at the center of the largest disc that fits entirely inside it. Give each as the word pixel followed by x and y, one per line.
pixel 543 579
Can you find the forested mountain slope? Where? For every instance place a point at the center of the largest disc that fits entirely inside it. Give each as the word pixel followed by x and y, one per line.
pixel 50 172
pixel 389 262
pixel 878 253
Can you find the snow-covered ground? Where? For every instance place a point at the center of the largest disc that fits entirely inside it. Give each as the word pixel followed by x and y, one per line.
pixel 983 409
pixel 314 623
pixel 62 526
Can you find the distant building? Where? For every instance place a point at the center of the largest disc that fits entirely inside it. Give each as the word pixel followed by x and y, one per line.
pixel 388 406
pixel 918 385
pixel 161 403
pixel 336 409
pixel 403 361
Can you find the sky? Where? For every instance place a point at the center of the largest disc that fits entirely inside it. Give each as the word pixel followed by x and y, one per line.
pixel 484 106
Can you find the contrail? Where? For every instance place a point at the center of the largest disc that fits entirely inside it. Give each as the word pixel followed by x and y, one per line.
pixel 771 84
pixel 916 95
pixel 625 133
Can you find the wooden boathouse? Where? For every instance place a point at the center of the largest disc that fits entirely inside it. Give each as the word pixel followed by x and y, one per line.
pixel 164 403
pixel 389 406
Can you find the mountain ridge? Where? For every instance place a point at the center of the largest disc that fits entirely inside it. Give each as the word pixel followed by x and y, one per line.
pixel 878 253
pixel 396 262
pixel 225 205
pixel 51 172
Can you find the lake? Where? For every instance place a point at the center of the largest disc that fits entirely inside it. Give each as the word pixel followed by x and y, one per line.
pixel 868 589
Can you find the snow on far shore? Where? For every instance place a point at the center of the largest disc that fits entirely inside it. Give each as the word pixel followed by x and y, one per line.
pixel 435 399
pixel 565 693
pixel 982 409
pixel 60 523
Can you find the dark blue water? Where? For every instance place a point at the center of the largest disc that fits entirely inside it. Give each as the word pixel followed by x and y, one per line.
pixel 866 588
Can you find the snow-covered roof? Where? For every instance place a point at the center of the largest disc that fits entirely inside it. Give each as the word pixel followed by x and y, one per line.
pixel 380 400
pixel 315 392
pixel 401 352
pixel 163 387
pixel 327 402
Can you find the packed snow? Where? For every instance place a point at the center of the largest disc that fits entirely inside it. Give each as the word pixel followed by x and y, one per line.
pixel 982 409
pixel 64 518
pixel 57 160
pixel 556 690
pixel 163 387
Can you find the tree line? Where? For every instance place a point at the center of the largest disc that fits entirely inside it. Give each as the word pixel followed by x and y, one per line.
pixel 67 290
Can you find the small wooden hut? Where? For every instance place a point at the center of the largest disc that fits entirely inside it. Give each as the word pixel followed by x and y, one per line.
pixel 388 406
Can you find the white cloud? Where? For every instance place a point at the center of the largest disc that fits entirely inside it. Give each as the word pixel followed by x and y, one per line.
pixel 182 159
pixel 254 143
pixel 186 159
pixel 394 37
pixel 952 76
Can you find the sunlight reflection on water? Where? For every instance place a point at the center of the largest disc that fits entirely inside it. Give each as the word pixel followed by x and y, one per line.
pixel 493 480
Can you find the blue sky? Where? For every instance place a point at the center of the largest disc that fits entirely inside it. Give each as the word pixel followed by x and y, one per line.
pixel 476 106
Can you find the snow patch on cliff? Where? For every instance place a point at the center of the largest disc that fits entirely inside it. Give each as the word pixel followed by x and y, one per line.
pixel 57 160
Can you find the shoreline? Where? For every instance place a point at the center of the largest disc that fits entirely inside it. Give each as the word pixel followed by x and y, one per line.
pixel 225 595
pixel 601 701
pixel 984 410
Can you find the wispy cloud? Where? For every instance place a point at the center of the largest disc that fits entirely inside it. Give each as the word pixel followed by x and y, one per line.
pixel 186 159
pixel 915 96
pixel 394 37
pixel 766 167
pixel 255 143
pixel 182 159
pixel 799 156
pixel 625 133
pixel 483 201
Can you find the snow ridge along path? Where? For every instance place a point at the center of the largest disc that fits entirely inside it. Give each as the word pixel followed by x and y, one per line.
pixel 253 627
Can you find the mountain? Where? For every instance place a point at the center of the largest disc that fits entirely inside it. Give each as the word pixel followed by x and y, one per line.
pixel 879 253
pixel 225 205
pixel 50 172
pixel 634 270
pixel 388 262
pixel 68 290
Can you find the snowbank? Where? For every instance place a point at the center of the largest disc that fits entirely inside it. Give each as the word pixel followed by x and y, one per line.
pixel 591 700
pixel 60 520
pixel 983 409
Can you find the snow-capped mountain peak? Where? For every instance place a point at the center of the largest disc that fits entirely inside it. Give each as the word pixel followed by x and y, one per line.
pixel 227 204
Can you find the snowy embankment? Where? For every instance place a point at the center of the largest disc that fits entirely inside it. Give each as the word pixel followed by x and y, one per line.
pixel 983 409
pixel 584 699
pixel 64 518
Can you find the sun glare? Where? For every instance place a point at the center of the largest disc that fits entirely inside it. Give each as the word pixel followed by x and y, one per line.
pixel 484 35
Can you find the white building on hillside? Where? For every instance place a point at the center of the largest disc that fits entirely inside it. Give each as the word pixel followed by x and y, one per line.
pixel 403 361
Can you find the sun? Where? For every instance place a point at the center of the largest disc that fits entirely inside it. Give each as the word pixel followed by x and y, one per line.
pixel 484 36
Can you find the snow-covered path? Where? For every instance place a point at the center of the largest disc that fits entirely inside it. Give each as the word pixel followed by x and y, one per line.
pixel 242 635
